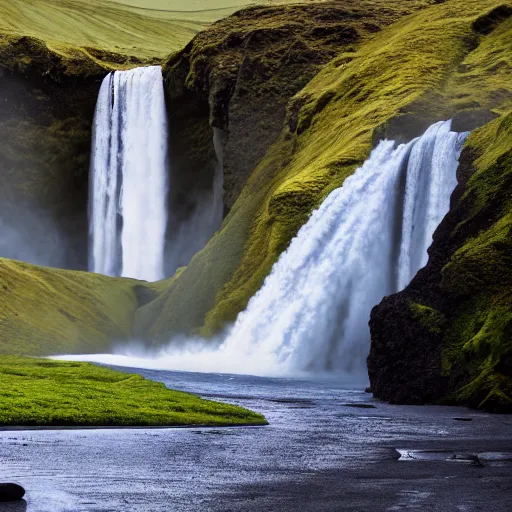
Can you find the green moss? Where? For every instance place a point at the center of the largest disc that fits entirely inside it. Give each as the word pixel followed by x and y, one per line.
pixel 47 393
pixel 418 67
pixel 49 311
pixel 300 169
pixel 478 344
pixel 429 318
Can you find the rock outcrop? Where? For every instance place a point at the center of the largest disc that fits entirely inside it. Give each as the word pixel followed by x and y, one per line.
pixel 447 337
pixel 11 492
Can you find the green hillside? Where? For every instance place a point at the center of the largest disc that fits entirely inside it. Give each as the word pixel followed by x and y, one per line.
pixel 146 29
pixel 448 58
pixel 50 311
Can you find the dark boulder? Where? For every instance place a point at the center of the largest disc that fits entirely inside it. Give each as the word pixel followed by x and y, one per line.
pixel 11 492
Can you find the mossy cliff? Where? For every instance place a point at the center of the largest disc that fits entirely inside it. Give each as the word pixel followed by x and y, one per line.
pixel 239 76
pixel 448 336
pixel 413 68
pixel 245 68
pixel 46 112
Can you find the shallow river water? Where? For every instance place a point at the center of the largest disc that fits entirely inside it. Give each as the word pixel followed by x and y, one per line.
pixel 327 448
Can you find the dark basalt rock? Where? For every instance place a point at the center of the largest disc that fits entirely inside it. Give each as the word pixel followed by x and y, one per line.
pixel 11 492
pixel 405 360
pixel 418 335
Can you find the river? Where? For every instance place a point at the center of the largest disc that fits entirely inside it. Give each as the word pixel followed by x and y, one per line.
pixel 328 447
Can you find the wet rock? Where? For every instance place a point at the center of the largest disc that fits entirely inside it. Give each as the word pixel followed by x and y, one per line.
pixel 469 120
pixel 11 492
pixel 471 458
pixel 361 406
pixel 463 419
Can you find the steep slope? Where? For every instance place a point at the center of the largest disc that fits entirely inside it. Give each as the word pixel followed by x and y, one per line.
pixel 49 311
pixel 240 74
pixel 450 58
pixel 448 336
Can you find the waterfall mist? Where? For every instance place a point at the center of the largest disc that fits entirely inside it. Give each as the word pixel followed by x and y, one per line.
pixel 31 235
pixel 367 240
pixel 189 236
pixel 128 212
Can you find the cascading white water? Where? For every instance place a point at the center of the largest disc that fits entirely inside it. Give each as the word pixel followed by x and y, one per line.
pixel 313 309
pixel 128 213
pixel 366 240
pixel 430 180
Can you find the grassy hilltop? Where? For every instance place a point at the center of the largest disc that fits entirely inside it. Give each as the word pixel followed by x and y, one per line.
pixel 143 28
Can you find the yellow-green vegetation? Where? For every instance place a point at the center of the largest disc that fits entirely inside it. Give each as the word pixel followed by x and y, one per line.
pixel 449 57
pixel 479 341
pixel 282 46
pixel 429 318
pixel 35 392
pixel 143 28
pixel 50 311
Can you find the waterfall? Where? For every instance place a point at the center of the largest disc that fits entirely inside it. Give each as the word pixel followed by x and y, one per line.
pixel 430 180
pixel 313 309
pixel 366 241
pixel 127 209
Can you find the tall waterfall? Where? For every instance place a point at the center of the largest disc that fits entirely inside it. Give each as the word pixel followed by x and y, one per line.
pixel 127 209
pixel 367 240
pixel 312 312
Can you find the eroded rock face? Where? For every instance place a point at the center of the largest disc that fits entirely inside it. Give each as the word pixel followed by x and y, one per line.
pixel 446 337
pixel 241 73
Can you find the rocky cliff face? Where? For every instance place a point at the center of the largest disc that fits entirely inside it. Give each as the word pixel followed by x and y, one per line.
pixel 402 73
pixel 447 337
pixel 46 112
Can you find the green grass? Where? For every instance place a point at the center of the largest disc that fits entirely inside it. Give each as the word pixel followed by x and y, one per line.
pixel 419 68
pixel 145 29
pixel 50 311
pixel 35 392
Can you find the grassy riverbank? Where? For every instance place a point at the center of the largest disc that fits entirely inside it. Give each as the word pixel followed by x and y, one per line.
pixel 37 392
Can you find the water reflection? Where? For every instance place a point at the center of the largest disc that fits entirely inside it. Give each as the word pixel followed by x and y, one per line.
pixel 14 506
